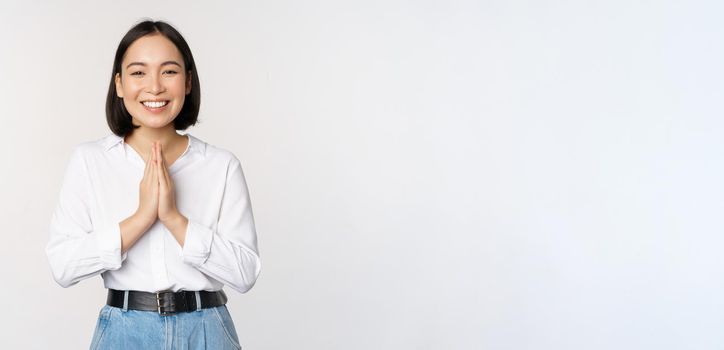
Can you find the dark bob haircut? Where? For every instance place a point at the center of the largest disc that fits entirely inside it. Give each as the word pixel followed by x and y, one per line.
pixel 119 120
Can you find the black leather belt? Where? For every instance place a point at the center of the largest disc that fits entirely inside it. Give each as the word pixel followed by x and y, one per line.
pixel 166 302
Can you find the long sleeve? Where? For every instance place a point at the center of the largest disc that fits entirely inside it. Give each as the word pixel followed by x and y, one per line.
pixel 78 249
pixel 229 251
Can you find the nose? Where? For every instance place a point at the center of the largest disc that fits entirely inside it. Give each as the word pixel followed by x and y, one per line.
pixel 154 85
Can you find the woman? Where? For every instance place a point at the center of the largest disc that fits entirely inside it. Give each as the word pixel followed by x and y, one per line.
pixel 165 250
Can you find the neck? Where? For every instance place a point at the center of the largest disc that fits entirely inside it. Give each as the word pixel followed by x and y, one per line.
pixel 143 138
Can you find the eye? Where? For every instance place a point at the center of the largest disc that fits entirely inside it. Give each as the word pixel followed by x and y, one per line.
pixel 171 72
pixel 137 73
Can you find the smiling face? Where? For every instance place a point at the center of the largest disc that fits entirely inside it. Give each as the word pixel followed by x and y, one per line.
pixel 153 81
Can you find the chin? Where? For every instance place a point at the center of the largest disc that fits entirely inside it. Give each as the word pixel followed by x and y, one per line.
pixel 149 123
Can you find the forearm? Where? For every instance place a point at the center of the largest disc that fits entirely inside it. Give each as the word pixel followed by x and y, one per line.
pixel 177 224
pixel 231 257
pixel 132 228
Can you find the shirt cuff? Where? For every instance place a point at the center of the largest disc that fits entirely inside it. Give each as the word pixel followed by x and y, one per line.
pixel 197 244
pixel 109 246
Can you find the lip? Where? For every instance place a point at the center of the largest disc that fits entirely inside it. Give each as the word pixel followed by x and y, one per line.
pixel 155 110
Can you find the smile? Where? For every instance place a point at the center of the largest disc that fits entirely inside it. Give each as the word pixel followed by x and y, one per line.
pixel 155 106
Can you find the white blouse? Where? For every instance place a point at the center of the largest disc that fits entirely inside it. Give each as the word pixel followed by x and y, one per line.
pixel 101 188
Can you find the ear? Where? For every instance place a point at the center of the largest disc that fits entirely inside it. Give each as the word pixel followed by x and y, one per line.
pixel 119 85
pixel 188 82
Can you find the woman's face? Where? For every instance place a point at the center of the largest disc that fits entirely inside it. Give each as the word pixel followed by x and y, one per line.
pixel 153 81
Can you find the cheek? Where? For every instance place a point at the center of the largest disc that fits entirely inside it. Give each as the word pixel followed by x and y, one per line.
pixel 179 86
pixel 131 91
pixel 179 92
pixel 129 102
pixel 131 106
pixel 179 103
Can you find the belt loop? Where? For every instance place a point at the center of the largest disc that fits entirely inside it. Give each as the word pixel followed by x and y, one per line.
pixel 125 301
pixel 198 300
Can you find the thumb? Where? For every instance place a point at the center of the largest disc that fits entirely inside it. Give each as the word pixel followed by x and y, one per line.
pixel 154 180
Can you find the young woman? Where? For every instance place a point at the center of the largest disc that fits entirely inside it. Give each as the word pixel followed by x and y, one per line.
pixel 166 248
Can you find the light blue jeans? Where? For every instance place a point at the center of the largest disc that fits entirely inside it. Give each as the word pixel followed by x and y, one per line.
pixel 210 328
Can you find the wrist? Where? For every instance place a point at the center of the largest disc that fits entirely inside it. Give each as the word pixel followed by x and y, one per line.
pixel 144 218
pixel 174 219
pixel 177 224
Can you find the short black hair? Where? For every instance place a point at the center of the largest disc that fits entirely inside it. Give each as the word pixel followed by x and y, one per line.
pixel 119 120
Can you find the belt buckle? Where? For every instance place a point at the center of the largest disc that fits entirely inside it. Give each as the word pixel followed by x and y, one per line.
pixel 160 309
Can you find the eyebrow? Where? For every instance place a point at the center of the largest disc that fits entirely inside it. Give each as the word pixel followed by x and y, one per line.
pixel 143 64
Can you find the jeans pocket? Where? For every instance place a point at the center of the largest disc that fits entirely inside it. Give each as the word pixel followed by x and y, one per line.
pixel 227 324
pixel 104 317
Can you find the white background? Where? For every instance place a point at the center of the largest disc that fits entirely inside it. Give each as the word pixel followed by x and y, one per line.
pixel 424 174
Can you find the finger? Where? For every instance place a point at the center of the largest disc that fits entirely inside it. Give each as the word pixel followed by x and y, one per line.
pixel 166 176
pixel 151 155
pixel 147 168
pixel 159 168
pixel 150 163
pixel 154 169
pixel 158 158
pixel 156 153
pixel 154 183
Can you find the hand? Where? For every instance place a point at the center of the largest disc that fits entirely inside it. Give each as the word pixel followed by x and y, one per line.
pixel 167 210
pixel 148 197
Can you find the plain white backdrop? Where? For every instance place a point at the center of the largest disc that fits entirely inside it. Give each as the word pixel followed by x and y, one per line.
pixel 424 174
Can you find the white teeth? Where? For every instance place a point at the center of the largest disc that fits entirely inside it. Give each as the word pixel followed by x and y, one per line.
pixel 155 104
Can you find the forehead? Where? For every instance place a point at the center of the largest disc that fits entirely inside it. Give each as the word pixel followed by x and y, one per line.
pixel 152 49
